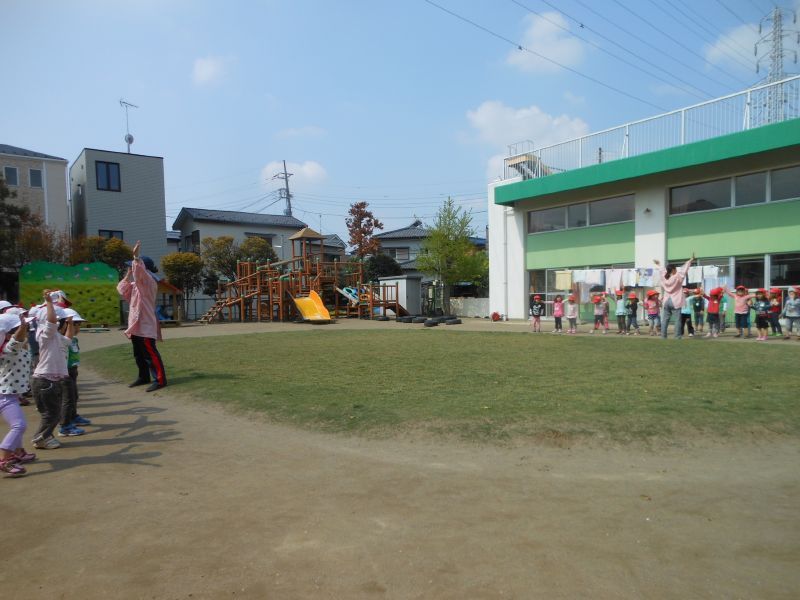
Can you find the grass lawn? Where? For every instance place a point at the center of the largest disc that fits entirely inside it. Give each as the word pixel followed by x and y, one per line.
pixel 486 386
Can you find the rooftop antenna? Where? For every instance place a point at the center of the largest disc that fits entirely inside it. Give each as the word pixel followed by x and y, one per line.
pixel 128 137
pixel 284 191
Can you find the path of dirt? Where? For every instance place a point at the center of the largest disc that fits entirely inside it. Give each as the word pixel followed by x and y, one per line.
pixel 171 499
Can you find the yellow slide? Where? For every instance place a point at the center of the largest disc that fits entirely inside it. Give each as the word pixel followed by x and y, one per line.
pixel 312 309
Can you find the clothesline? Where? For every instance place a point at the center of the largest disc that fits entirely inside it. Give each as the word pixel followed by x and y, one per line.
pixel 614 279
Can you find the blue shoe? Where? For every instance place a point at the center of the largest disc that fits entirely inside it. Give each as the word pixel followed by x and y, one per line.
pixel 79 420
pixel 70 431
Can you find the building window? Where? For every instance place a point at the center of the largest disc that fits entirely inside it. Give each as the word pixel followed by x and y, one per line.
pixel 784 269
pixel 700 196
pixel 612 210
pixel 577 215
pixel 191 243
pixel 785 183
pixel 550 219
pixel 107 176
pixel 750 189
pixel 110 233
pixel 397 253
pixel 267 237
pixel 11 175
pixel 749 272
pixel 35 177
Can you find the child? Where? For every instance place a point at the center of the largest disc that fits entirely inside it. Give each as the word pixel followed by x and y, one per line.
pixel 14 370
pixel 775 311
pixel 70 419
pixel 723 314
pixel 761 306
pixel 741 309
pixel 698 307
pixel 653 307
pixel 600 313
pixel 620 311
pixel 536 310
pixel 714 297
pixel 50 372
pixel 632 307
pixel 571 312
pixel 686 313
pixel 558 312
pixel 791 312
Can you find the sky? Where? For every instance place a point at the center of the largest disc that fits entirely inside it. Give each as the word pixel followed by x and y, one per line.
pixel 397 103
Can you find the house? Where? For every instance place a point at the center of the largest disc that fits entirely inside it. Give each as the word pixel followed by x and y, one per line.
pixel 173 241
pixel 116 194
pixel 195 224
pixel 405 245
pixel 663 188
pixel 40 181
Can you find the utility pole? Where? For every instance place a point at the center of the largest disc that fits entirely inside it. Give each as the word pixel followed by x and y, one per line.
pixel 284 191
pixel 774 104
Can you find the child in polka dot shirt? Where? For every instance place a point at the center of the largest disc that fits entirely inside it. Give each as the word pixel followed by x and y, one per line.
pixel 15 360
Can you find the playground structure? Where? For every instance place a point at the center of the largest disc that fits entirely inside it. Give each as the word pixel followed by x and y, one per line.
pixel 304 287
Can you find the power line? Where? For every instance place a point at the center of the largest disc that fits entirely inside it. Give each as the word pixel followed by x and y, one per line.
pixel 542 56
pixel 671 39
pixel 702 95
pixel 735 16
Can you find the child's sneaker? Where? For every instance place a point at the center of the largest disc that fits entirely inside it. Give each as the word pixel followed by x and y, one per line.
pixel 21 456
pixel 70 431
pixel 50 443
pixel 10 468
pixel 79 420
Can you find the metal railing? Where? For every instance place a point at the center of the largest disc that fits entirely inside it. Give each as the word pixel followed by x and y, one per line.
pixel 754 107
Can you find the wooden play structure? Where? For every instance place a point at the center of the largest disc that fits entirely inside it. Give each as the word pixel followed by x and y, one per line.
pixel 304 287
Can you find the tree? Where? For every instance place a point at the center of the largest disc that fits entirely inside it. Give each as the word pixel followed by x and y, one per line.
pixel 256 249
pixel 447 253
pixel 361 225
pixel 12 217
pixel 220 256
pixel 380 265
pixel 87 249
pixel 184 270
pixel 115 254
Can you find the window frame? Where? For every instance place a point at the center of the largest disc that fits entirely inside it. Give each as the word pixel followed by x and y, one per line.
pixel 16 175
pixel 110 234
pixel 107 164
pixel 41 178
pixel 587 204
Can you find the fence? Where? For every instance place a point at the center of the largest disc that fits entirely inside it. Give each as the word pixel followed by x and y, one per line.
pixel 757 106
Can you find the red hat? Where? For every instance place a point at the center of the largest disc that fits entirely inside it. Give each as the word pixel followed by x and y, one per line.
pixel 762 291
pixel 571 297
pixel 596 299
pixel 632 295
pixel 620 292
pixel 537 297
pixel 741 287
pixel 652 293
pixel 717 291
pixel 774 290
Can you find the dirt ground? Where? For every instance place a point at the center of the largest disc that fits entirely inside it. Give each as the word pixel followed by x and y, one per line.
pixel 166 498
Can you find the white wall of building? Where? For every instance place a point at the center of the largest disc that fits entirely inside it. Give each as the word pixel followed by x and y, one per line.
pixel 508 285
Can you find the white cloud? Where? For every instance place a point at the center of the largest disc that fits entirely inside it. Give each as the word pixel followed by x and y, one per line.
pixel 734 47
pixel 209 70
pixel 546 38
pixel 500 125
pixel 308 172
pixel 574 99
pixel 306 131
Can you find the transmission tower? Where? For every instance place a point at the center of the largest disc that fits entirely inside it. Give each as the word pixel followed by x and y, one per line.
pixel 283 192
pixel 772 107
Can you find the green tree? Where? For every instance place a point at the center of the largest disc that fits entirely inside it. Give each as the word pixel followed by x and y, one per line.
pixel 116 253
pixel 87 249
pixel 448 254
pixel 380 265
pixel 256 249
pixel 184 270
pixel 12 218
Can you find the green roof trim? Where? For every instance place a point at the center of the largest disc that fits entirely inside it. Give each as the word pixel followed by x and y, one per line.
pixel 753 141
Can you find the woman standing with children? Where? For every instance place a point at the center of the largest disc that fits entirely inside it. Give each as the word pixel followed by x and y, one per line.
pixel 672 283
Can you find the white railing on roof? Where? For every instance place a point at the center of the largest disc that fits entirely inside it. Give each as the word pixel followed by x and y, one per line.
pixel 754 107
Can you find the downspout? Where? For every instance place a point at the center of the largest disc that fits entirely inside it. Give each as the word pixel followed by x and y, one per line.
pixel 505 261
pixel 44 189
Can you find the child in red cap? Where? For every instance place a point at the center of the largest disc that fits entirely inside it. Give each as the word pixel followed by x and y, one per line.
pixel 775 308
pixel 714 299
pixel 653 307
pixel 761 306
pixel 632 308
pixel 558 312
pixel 536 311
pixel 600 313
pixel 741 308
pixel 571 309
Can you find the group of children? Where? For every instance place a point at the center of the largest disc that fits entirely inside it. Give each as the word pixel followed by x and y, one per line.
pixel 39 357
pixel 698 310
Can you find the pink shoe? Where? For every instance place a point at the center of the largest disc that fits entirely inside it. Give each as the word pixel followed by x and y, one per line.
pixel 21 456
pixel 10 468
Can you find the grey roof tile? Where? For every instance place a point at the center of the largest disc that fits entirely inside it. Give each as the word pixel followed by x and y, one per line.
pixel 15 151
pixel 232 216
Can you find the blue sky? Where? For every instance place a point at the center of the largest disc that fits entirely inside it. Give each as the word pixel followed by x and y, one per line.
pixel 394 102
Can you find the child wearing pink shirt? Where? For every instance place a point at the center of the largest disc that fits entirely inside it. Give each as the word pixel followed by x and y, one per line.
pixel 741 308
pixel 558 312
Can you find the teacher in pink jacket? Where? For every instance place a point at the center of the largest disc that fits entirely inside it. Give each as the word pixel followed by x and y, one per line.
pixel 139 288
pixel 673 299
